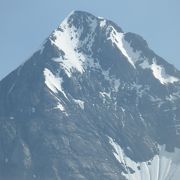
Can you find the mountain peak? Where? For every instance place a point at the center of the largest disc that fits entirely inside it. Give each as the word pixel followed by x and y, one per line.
pixel 81 36
pixel 93 103
pixel 78 18
pixel 81 13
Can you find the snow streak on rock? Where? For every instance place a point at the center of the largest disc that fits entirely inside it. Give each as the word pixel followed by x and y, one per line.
pixel 117 38
pixel 67 40
pixel 80 103
pixel 159 72
pixel 53 83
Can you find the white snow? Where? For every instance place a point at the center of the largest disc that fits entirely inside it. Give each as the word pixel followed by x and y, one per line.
pixel 117 38
pixel 53 83
pixel 80 103
pixel 102 22
pixel 164 166
pixel 61 107
pixel 123 109
pixel 100 17
pixel 69 41
pixel 159 72
pixel 105 94
pixel 27 155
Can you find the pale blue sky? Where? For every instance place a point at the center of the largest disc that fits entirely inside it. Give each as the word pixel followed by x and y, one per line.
pixel 24 24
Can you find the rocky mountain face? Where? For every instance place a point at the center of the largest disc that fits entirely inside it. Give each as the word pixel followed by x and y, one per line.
pixel 94 103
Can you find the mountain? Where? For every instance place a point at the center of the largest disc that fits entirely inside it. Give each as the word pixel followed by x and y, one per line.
pixel 94 103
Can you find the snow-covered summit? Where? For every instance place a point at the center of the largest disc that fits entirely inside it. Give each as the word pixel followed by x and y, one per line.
pixel 80 37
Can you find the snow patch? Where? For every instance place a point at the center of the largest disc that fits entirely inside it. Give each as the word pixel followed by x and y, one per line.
pixel 164 166
pixel 159 72
pixel 102 23
pixel 126 49
pixel 53 83
pixel 59 105
pixel 27 156
pixel 61 108
pixel 80 103
pixel 105 94
pixel 100 17
pixel 68 41
pixel 123 110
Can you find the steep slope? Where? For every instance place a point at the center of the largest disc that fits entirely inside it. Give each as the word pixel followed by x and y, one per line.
pixel 93 103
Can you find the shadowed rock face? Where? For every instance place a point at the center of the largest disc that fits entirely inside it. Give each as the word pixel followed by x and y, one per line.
pixel 93 103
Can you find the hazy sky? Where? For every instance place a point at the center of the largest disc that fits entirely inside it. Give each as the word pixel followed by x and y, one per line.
pixel 24 24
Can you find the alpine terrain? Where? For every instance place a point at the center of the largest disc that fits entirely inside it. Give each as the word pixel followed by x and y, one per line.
pixel 94 103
